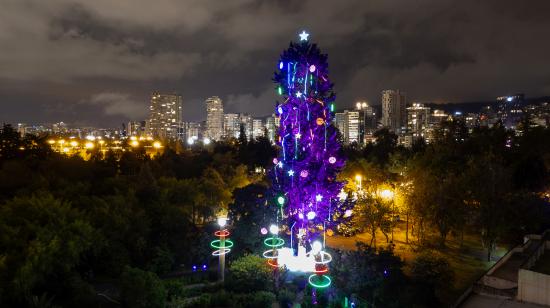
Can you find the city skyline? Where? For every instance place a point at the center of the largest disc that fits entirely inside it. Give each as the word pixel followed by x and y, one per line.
pixel 88 63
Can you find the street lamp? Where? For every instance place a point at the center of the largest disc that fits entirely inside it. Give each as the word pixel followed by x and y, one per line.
pixel 389 195
pixel 358 179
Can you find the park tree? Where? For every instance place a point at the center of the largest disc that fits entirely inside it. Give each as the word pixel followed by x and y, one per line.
pixel 142 289
pixel 489 191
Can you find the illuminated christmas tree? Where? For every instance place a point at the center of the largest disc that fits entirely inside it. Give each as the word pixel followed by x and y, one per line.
pixel 304 173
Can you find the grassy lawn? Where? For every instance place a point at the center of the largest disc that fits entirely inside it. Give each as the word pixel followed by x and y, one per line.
pixel 468 261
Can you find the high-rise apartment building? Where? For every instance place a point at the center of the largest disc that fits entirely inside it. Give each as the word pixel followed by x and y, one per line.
pixel 246 123
pixel 231 125
pixel 271 125
pixel 347 123
pixel 165 115
pixel 257 128
pixel 394 113
pixel 418 120
pixel 510 109
pixel 214 118
pixel 190 130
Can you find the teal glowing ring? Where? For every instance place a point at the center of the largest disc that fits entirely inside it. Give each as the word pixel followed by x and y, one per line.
pixel 327 258
pixel 278 242
pixel 219 252
pixel 319 284
pixel 270 254
pixel 218 244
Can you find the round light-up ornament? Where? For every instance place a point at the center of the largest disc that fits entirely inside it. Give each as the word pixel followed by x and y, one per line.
pixel 281 200
pixel 312 68
pixel 274 229
pixel 280 110
pixel 320 121
pixel 311 215
pixel 275 161
pixel 301 216
pixel 304 173
pixel 263 231
pixel 281 65
pixel 332 159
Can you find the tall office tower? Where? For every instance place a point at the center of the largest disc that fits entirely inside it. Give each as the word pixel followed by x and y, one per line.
pixel 394 113
pixel 418 120
pixel 340 122
pixel 271 125
pixel 510 109
pixel 347 123
pixel 136 128
pixel 214 118
pixel 231 125
pixel 257 128
pixel 367 121
pixel 165 115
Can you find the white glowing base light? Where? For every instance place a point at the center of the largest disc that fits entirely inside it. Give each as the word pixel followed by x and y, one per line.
pixel 304 262
pixel 301 263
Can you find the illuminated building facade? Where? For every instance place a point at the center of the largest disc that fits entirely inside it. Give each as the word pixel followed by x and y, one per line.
pixel 214 118
pixel 165 115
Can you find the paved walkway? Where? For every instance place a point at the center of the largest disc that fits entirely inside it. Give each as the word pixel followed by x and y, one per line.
pixel 482 301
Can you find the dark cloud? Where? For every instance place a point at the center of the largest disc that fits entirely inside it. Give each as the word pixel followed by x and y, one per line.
pixel 96 62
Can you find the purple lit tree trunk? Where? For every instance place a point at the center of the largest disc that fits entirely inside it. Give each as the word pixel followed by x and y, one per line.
pixel 304 174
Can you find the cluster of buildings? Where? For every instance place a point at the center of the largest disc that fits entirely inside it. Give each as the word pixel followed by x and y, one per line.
pixel 165 122
pixel 409 121
pixel 419 120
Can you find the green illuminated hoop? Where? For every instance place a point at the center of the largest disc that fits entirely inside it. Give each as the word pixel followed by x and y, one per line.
pixel 324 282
pixel 217 244
pixel 274 242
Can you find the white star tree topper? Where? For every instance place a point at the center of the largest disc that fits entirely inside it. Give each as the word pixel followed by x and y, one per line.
pixel 303 35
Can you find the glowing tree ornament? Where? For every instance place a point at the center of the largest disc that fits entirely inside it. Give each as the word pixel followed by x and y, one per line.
pixel 308 147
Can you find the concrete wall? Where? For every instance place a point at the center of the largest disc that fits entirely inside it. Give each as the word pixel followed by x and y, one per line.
pixel 533 287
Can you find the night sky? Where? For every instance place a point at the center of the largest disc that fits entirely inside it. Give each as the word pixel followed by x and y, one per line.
pixel 95 62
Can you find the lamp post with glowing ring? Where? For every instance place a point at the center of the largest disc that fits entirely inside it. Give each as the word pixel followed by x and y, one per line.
pixel 320 279
pixel 273 242
pixel 222 245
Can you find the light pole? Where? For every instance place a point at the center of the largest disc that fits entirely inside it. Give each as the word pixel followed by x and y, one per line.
pixel 388 194
pixel 222 245
pixel 359 180
pixel 222 221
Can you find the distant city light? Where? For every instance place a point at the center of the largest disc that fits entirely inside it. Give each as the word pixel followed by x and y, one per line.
pixel 190 140
pixel 206 141
pixel 157 145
